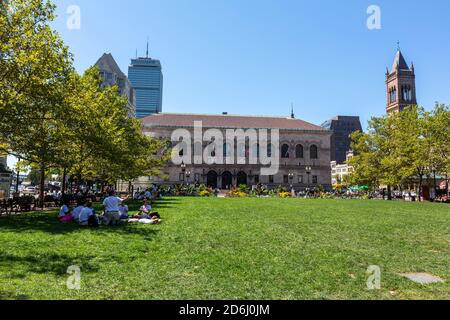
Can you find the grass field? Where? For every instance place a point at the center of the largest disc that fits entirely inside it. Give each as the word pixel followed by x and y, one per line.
pixel 233 249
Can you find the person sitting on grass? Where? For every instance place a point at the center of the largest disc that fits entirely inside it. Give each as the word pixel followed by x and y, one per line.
pixel 123 210
pixel 64 213
pixel 88 216
pixel 146 208
pixel 77 210
pixel 145 212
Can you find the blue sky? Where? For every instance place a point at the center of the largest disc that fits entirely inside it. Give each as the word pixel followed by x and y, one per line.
pixel 259 56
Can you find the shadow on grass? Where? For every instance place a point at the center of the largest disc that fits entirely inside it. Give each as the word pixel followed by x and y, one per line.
pixel 44 263
pixel 48 223
pixel 7 295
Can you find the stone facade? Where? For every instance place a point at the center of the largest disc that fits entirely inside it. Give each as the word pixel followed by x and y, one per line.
pixel 113 76
pixel 304 152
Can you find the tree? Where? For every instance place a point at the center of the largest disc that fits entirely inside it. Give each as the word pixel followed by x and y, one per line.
pixel 34 65
pixel 438 126
pixel 401 147
pixel 374 162
pixel 104 142
pixel 412 141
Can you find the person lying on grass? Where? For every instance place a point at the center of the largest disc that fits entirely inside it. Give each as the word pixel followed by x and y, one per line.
pixel 155 219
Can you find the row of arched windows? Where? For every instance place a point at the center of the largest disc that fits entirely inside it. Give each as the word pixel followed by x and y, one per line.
pixel 242 151
pixel 299 152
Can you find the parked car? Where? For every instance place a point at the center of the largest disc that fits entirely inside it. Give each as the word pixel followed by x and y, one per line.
pixel 29 190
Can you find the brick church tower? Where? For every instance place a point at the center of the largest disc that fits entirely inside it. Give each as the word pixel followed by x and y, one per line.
pixel 400 85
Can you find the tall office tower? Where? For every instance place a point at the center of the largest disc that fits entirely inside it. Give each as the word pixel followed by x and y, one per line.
pixel 342 127
pixel 400 85
pixel 113 76
pixel 146 78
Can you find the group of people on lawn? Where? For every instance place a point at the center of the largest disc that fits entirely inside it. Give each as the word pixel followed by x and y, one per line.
pixel 115 211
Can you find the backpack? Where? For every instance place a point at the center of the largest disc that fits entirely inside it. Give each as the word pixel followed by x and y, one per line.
pixel 93 221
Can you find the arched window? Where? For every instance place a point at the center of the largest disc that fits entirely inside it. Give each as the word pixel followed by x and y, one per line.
pixel 255 150
pixel 285 151
pixel 299 151
pixel 182 148
pixel 313 152
pixel 241 150
pixel 226 150
pixel 198 149
pixel 269 150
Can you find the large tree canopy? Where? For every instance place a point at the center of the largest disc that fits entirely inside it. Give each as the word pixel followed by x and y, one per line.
pixel 412 144
pixel 52 117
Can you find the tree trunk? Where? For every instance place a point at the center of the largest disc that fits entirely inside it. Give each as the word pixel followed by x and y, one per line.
pixel 419 193
pixel 78 182
pixel 389 193
pixel 129 187
pixel 63 186
pixel 18 180
pixel 446 184
pixel 41 188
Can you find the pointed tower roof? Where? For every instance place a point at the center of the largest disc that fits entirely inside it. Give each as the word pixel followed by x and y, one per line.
pixel 400 62
pixel 107 62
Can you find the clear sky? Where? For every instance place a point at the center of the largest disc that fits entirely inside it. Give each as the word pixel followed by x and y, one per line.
pixel 259 56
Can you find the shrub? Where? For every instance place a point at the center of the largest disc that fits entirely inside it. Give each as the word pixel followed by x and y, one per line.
pixel 284 194
pixel 238 193
pixel 204 191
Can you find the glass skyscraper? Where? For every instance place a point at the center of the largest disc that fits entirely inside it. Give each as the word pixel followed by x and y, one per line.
pixel 146 77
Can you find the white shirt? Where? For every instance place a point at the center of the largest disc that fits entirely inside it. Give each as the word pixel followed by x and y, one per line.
pixel 63 211
pixel 85 214
pixel 112 204
pixel 123 209
pixel 77 211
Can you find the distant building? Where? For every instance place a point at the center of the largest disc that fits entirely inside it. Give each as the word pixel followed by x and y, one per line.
pixel 147 79
pixel 113 76
pixel 304 152
pixel 400 85
pixel 340 172
pixel 342 127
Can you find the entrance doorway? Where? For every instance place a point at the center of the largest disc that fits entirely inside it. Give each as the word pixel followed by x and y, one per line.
pixel 241 178
pixel 227 180
pixel 211 179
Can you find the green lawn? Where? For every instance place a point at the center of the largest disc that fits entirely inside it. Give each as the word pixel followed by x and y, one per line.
pixel 233 249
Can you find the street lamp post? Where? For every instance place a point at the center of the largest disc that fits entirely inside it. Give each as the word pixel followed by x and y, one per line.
pixel 183 168
pixel 308 170
pixel 188 175
pixel 291 178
